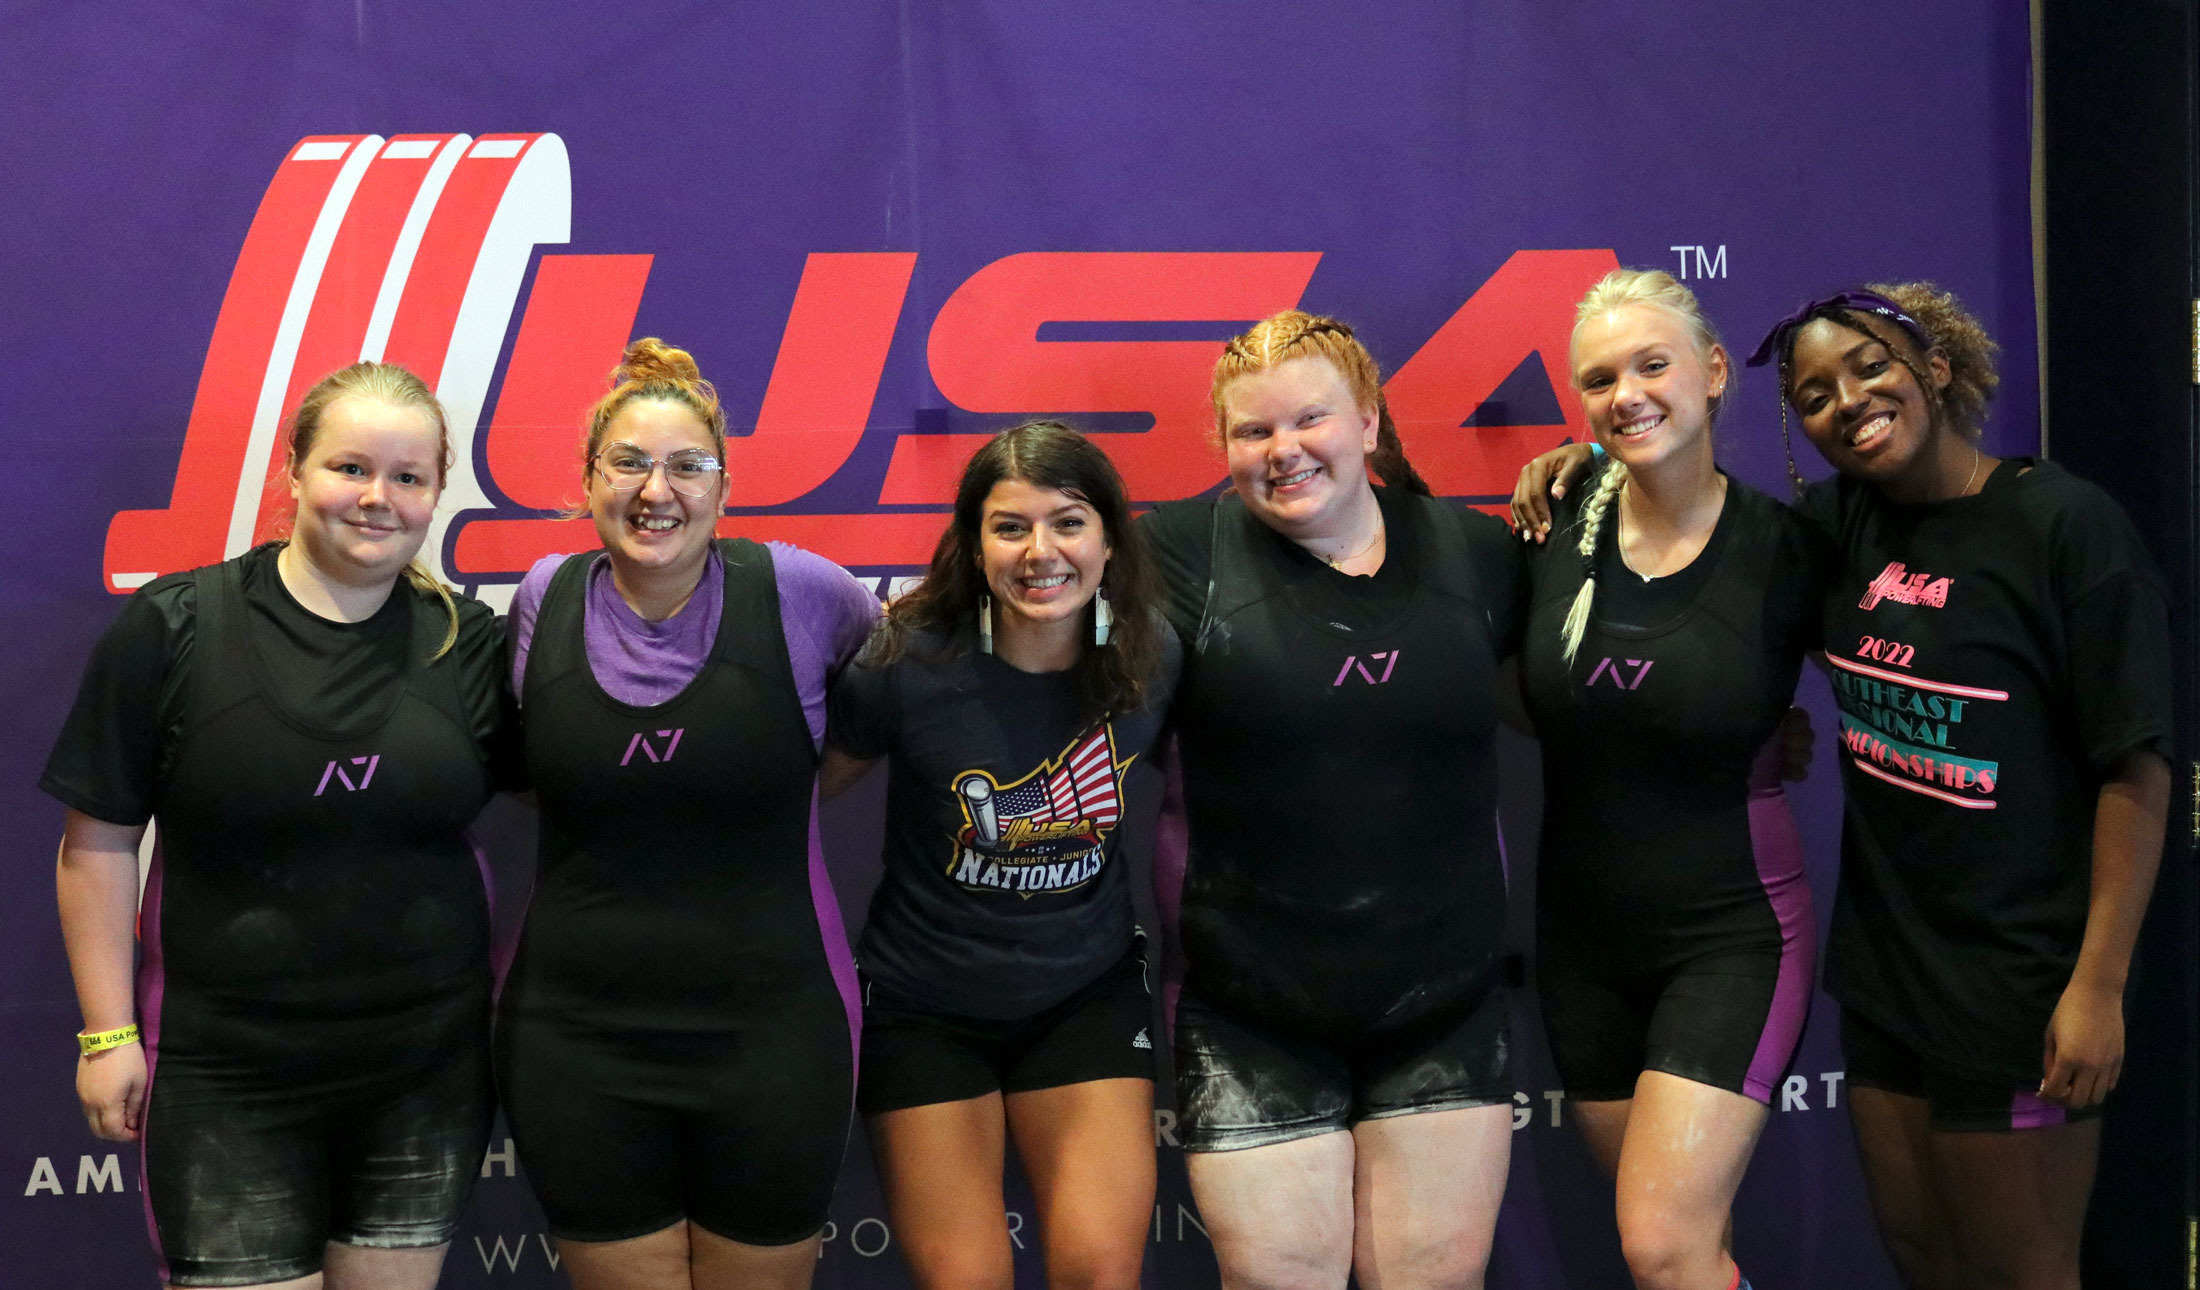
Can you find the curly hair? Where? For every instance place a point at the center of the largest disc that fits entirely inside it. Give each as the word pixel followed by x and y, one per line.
pixel 1947 326
pixel 1294 333
pixel 1045 454
pixel 652 369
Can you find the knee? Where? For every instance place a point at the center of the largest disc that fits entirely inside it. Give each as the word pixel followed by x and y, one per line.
pixel 1660 1257
pixel 1095 1268
pixel 949 1267
pixel 1280 1268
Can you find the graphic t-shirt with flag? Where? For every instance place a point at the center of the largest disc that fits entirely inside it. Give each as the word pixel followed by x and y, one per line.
pixel 1002 894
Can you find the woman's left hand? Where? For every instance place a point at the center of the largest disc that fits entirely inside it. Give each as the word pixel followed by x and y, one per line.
pixel 2085 1046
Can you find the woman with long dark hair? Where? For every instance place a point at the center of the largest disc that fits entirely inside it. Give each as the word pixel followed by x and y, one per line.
pixel 1012 693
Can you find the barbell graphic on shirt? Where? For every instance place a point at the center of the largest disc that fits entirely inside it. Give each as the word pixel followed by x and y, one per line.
pixel 977 795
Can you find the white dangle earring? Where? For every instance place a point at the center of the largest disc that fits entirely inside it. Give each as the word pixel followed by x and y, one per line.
pixel 1103 618
pixel 985 624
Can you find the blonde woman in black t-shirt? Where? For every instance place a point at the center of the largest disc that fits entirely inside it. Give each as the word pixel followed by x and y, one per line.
pixel 303 1053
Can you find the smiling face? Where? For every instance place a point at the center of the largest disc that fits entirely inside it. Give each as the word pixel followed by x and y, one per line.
pixel 1862 407
pixel 366 489
pixel 654 530
pixel 1043 553
pixel 1297 444
pixel 1646 390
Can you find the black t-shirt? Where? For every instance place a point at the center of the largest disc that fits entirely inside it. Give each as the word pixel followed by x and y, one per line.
pixel 1994 657
pixel 1003 893
pixel 123 731
pixel 1342 872
pixel 1650 735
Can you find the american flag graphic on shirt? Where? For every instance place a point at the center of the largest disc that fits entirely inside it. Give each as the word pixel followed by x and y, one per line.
pixel 1046 830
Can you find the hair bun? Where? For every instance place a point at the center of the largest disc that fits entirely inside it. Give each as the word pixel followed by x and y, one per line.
pixel 650 359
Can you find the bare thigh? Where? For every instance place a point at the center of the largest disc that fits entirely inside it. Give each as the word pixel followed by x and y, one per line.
pixel 1089 1152
pixel 1280 1216
pixel 1426 1194
pixel 2015 1202
pixel 1686 1148
pixel 362 1267
pixel 1893 1142
pixel 685 1257
pixel 941 1168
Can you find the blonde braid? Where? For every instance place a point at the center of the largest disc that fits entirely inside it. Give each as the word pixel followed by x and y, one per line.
pixel 1592 524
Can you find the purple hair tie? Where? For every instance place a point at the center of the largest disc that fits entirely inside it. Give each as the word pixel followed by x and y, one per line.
pixel 1870 302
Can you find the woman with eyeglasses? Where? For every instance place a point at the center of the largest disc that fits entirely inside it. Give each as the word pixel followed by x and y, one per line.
pixel 676 1040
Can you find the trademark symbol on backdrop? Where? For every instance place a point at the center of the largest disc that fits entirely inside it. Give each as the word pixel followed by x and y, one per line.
pixel 1706 261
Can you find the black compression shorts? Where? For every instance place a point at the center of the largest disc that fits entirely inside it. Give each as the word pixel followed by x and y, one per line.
pixel 1720 1020
pixel 915 1056
pixel 1242 1083
pixel 739 1130
pixel 251 1172
pixel 1956 1101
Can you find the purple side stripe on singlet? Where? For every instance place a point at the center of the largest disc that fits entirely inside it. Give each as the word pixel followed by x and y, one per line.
pixel 833 932
pixel 2028 1110
pixel 150 986
pixel 1171 850
pixel 1778 849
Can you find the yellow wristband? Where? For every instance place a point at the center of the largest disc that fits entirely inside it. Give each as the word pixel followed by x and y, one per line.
pixel 106 1039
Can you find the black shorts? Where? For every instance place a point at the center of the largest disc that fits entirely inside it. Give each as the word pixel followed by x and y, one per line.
pixel 1730 1020
pixel 252 1169
pixel 917 1056
pixel 1957 1101
pixel 738 1128
pixel 1243 1083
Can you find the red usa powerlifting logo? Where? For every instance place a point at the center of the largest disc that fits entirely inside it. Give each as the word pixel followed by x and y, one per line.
pixel 415 250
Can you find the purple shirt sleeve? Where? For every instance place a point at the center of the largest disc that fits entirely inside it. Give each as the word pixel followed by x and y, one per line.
pixel 526 605
pixel 827 615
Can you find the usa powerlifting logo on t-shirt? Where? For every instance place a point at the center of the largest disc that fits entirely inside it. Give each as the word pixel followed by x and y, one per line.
pixel 1047 831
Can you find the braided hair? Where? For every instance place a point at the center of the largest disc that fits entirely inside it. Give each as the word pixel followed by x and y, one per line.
pixel 1654 289
pixel 1294 333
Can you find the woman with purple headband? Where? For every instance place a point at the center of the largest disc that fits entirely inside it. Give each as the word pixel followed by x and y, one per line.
pixel 1998 643
pixel 676 1041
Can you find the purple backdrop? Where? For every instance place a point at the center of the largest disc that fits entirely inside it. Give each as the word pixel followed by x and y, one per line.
pixel 880 228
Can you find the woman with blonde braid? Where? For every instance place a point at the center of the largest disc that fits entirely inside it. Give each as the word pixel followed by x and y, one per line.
pixel 1675 939
pixel 1340 1034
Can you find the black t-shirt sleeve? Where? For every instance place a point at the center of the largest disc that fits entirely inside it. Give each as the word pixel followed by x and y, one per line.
pixel 1180 536
pixel 1501 573
pixel 1801 570
pixel 2116 618
pixel 861 713
pixel 107 758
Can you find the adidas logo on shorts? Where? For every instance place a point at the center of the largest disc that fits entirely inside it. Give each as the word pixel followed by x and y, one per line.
pixel 1142 1041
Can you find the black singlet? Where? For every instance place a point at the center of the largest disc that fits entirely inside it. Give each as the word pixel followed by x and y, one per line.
pixel 315 930
pixel 1648 738
pixel 1340 783
pixel 1994 657
pixel 671 1041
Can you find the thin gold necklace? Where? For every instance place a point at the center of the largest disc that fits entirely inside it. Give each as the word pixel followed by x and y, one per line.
pixel 1338 564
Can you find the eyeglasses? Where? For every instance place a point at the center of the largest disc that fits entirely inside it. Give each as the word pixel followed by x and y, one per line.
pixel 691 472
